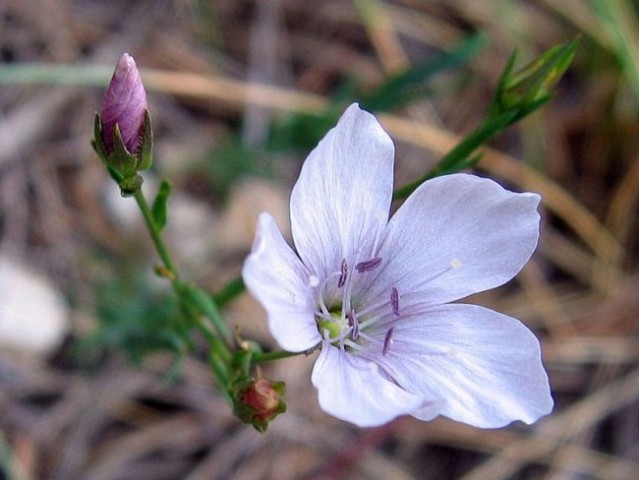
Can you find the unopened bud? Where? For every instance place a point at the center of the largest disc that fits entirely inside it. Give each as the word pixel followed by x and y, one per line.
pixel 533 84
pixel 259 402
pixel 124 105
pixel 122 132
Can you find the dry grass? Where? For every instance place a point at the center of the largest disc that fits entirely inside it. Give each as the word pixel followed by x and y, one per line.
pixel 210 65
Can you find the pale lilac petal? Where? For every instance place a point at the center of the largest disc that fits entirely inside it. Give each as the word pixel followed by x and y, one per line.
pixel 353 389
pixel 276 277
pixel 454 236
pixel 484 367
pixel 340 203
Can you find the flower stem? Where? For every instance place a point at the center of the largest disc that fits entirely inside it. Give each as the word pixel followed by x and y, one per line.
pixel 272 356
pixel 155 234
pixel 461 156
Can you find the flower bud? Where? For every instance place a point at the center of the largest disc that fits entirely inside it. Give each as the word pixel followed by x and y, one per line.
pixel 124 105
pixel 259 402
pixel 533 84
pixel 123 138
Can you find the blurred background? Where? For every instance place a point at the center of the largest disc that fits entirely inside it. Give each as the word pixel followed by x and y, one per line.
pixel 239 92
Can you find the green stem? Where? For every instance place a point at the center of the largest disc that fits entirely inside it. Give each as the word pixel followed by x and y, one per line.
pixel 155 234
pixel 461 152
pixel 205 303
pixel 272 356
pixel 219 361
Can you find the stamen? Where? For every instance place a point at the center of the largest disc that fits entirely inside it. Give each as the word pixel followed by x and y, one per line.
pixel 346 293
pixel 322 305
pixel 394 300
pixel 320 294
pixel 371 311
pixel 455 264
pixel 368 265
pixel 343 275
pixel 352 345
pixel 387 341
pixel 354 324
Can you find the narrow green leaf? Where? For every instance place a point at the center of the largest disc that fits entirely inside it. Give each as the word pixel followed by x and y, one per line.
pixel 159 208
pixel 207 306
pixel 231 290
pixel 406 86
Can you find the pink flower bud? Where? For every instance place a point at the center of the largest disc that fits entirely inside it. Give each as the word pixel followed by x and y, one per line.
pixel 124 104
pixel 260 402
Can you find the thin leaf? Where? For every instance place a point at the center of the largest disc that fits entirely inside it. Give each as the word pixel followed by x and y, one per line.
pixel 160 205
pixel 402 88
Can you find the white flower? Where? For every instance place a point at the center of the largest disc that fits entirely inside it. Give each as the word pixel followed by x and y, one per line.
pixel 375 292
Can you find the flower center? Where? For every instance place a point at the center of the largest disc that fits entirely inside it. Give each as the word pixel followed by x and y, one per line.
pixel 332 327
pixel 345 321
pixel 340 316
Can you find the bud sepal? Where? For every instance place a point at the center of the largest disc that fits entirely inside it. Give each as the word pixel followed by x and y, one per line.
pixel 122 165
pixel 528 88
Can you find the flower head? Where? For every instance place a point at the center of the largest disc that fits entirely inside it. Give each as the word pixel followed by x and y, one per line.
pixel 124 105
pixel 375 292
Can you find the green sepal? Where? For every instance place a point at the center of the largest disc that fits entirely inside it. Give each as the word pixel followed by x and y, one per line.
pixel 114 174
pixel 97 143
pixel 121 160
pixel 145 153
pixel 498 105
pixel 98 146
pixel 121 164
pixel 159 208
pixel 534 82
pixel 531 107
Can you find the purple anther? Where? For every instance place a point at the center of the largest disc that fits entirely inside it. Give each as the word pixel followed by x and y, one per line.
pixel 354 324
pixel 387 341
pixel 343 275
pixel 394 300
pixel 368 265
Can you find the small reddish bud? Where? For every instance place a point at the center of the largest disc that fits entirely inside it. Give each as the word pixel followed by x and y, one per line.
pixel 124 105
pixel 260 402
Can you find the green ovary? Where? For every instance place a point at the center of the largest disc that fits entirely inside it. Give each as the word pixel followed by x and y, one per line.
pixel 334 326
